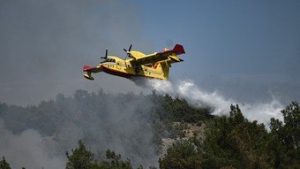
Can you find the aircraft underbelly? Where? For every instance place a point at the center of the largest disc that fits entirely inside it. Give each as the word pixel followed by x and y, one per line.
pixel 116 72
pixel 128 74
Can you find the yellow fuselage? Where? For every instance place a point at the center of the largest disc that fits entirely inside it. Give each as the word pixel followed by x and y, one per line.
pixel 124 68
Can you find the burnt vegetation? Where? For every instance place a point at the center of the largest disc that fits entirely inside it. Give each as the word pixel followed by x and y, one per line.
pixel 228 141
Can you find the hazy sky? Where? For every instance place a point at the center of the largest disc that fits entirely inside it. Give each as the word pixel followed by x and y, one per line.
pixel 248 50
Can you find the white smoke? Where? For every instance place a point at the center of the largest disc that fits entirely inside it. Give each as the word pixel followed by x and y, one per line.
pixel 261 112
pixel 36 153
pixel 117 122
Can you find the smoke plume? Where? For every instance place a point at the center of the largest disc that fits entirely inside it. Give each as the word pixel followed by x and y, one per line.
pixel 38 137
pixel 261 112
pixel 28 149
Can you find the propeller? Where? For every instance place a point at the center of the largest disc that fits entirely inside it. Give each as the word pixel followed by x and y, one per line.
pixel 105 57
pixel 128 51
pixel 130 47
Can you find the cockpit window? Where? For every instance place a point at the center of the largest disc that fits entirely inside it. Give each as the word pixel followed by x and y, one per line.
pixel 110 60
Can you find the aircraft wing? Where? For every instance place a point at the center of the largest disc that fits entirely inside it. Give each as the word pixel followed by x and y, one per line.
pixel 168 55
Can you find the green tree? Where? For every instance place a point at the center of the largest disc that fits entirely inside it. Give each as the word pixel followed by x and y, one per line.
pixel 284 144
pixel 181 155
pixel 234 142
pixel 80 158
pixel 114 161
pixel 291 116
pixel 4 164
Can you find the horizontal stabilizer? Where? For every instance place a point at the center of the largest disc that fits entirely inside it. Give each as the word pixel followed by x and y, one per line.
pixel 88 70
pixel 175 59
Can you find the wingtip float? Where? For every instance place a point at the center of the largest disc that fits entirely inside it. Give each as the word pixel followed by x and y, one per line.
pixel 137 64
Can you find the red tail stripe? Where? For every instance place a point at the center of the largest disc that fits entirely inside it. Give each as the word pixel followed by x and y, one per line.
pixel 178 49
pixel 88 68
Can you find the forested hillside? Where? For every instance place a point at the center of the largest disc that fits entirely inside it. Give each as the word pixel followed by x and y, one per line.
pixel 100 130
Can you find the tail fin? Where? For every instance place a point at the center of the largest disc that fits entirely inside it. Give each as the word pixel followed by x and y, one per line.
pixel 88 70
pixel 178 49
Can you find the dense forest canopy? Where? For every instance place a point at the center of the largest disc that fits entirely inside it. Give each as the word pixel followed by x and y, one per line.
pixel 100 130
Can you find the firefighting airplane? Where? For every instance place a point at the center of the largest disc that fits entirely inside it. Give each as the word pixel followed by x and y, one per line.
pixel 137 64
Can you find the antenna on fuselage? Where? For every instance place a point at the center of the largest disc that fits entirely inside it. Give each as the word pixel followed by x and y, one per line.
pixel 105 57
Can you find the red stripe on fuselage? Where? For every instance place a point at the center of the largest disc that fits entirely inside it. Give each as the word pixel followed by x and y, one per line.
pixel 122 74
pixel 115 72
